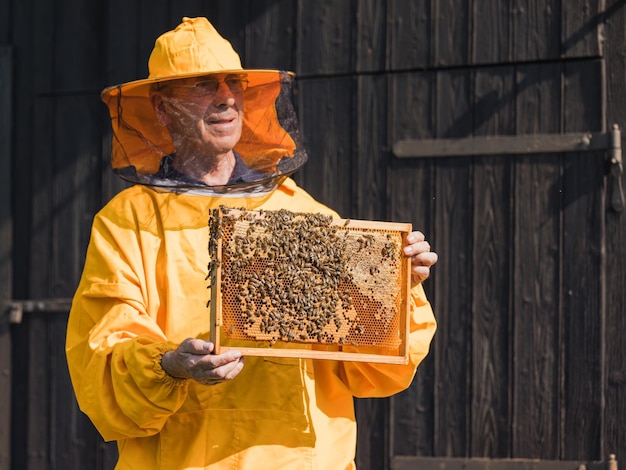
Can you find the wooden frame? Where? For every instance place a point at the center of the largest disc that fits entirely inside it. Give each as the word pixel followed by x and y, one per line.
pixel 345 352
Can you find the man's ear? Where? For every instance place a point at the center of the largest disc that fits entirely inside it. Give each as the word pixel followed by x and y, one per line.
pixel 159 109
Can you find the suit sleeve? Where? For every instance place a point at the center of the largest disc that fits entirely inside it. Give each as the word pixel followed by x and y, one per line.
pixel 113 346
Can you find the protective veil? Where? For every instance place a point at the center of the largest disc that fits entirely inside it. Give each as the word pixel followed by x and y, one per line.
pixel 269 148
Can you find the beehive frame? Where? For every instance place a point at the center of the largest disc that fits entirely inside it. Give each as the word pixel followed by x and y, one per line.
pixel 288 284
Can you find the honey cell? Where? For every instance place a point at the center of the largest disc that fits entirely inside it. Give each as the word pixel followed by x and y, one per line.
pixel 308 279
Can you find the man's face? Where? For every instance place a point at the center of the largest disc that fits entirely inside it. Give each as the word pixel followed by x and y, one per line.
pixel 206 112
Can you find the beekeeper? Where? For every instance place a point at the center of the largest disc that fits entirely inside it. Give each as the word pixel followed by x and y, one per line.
pixel 198 133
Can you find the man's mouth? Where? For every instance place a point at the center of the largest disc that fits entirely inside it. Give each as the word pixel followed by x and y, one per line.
pixel 220 119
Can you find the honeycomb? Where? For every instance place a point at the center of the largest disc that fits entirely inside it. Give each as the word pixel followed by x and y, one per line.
pixel 304 278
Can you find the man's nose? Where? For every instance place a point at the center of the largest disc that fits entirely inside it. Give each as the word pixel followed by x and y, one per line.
pixel 224 95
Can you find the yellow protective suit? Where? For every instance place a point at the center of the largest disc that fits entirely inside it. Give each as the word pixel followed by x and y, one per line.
pixel 143 291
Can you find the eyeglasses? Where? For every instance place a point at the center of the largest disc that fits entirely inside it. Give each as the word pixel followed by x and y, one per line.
pixel 209 86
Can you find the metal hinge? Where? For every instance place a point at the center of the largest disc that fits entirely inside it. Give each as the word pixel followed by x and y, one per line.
pixel 527 144
pixel 15 309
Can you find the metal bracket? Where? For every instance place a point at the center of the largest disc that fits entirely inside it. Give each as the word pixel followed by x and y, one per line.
pixel 15 309
pixel 527 144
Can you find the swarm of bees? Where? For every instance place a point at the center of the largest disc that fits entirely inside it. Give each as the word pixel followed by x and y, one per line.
pixel 301 277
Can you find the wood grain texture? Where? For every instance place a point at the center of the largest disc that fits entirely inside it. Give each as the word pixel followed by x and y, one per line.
pixel 492 257
pixel 490 31
pixel 410 189
pixel 412 100
pixel 5 22
pixel 536 244
pixel 121 57
pixel 533 24
pixel 23 83
pixel 582 28
pixel 42 177
pixel 270 35
pixel 454 240
pixel 372 433
pixel 326 115
pixel 75 193
pixel 39 380
pixel 6 250
pixel 325 37
pixel 76 58
pixel 614 428
pixel 451 33
pixel 370 158
pixel 410 34
pixel 371 35
pixel 583 239
pixel 528 359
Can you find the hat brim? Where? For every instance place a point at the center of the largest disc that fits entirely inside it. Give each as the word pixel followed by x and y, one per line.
pixel 140 141
pixel 142 87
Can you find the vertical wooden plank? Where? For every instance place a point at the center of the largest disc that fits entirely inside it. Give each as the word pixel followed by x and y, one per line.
pixel 490 30
pixel 582 28
pixel 75 39
pixel 154 19
pixel 536 243
pixel 230 19
pixel 38 395
pixel 5 23
pixel 22 144
pixel 19 388
pixel 75 194
pixel 325 37
pixel 411 116
pixel 37 398
pixel 371 158
pixel 121 56
pixel 41 175
pixel 371 35
pixel 614 429
pixel 369 202
pixel 325 116
pixel 6 250
pixel 535 30
pixel 371 415
pixel 451 36
pixel 410 34
pixel 43 58
pixel 71 38
pixel 583 267
pixel 494 106
pixel 453 238
pixel 411 193
pixel 61 402
pixel 270 36
pixel 74 190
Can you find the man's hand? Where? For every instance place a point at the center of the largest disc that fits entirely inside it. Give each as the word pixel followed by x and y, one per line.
pixel 421 256
pixel 193 360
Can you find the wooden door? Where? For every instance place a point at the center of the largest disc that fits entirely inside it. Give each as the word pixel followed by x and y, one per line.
pixel 528 361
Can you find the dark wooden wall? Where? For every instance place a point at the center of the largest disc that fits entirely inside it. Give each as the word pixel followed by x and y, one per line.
pixel 529 360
